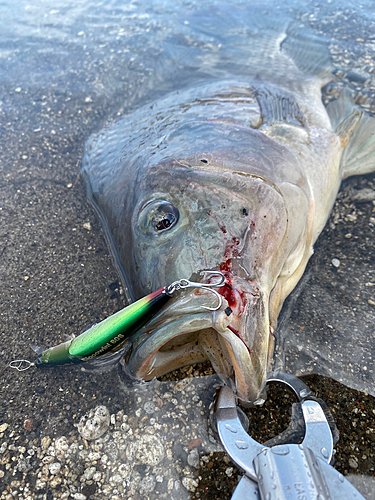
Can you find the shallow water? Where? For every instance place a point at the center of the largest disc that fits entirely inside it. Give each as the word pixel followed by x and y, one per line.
pixel 65 70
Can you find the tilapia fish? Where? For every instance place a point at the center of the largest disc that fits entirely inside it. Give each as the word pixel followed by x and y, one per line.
pixel 231 174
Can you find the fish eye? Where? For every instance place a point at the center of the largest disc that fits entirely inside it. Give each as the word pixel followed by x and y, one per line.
pixel 165 217
pixel 158 217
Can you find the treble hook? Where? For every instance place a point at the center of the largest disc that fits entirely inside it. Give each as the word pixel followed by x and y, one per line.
pixel 184 283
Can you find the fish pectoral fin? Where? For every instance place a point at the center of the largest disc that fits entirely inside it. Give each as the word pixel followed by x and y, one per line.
pixel 339 109
pixel 356 130
pixel 346 128
pixel 358 157
pixel 344 116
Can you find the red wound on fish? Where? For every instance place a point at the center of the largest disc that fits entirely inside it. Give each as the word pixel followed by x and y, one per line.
pixel 228 293
pixel 226 266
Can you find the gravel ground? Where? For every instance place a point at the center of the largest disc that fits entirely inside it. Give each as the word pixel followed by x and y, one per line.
pixel 58 279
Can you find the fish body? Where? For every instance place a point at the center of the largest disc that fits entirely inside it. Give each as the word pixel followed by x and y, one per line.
pixel 238 175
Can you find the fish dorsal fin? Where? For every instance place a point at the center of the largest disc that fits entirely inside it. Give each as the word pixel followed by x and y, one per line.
pixel 277 106
pixel 356 130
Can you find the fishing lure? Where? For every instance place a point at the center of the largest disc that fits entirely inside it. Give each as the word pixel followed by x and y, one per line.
pixel 111 334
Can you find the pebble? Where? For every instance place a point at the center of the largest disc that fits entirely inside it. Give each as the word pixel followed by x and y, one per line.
pixel 3 427
pixel 364 195
pixel 190 484
pixel 54 483
pixel 193 458
pixel 352 217
pixel 149 407
pixel 79 496
pixel 88 474
pixel 61 445
pixel 358 75
pixel 148 449
pixel 229 471
pixel 335 262
pixel 194 443
pixel 30 424
pixel 95 423
pixel 54 468
pixel 46 441
pixel 148 484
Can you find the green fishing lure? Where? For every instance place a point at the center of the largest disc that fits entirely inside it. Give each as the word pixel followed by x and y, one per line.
pixel 111 334
pixel 108 335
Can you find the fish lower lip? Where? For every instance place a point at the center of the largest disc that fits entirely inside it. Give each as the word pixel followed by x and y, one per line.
pixel 173 341
pixel 148 360
pixel 236 333
pixel 194 339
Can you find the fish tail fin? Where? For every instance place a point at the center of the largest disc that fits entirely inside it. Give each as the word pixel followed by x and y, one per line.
pixel 356 130
pixel 309 53
pixel 265 45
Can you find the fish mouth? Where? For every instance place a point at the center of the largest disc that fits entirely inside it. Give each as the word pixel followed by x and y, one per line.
pixel 235 338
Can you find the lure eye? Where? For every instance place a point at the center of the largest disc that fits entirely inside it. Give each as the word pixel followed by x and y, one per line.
pixel 158 217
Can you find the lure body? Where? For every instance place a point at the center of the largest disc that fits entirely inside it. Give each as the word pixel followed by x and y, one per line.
pixel 108 335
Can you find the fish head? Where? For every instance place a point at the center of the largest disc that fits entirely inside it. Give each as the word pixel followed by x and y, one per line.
pixel 205 206
pixel 209 194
